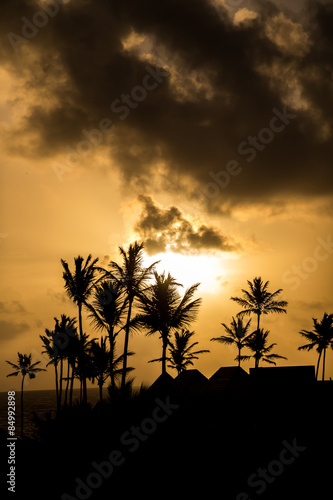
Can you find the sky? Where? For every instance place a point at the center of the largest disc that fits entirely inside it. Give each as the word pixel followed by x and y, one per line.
pixel 203 128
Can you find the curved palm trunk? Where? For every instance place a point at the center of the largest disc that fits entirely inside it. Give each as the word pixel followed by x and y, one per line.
pixel 317 369
pixel 83 368
pixel 22 406
pixel 123 375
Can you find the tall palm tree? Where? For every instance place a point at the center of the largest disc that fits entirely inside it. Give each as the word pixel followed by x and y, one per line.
pixel 163 310
pixel 259 300
pixel 79 286
pixel 321 337
pixel 132 276
pixel 181 351
pixel 236 335
pixel 24 367
pixel 257 343
pixel 106 313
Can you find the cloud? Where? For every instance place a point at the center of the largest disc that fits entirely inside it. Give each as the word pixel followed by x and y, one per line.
pixel 10 330
pixel 11 306
pixel 220 89
pixel 168 229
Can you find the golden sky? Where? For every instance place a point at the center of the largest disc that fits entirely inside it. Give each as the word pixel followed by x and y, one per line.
pixel 203 128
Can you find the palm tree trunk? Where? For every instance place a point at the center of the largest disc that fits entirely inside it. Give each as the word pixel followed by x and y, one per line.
pixel 123 375
pixel 258 321
pixel 56 384
pixel 256 364
pixel 67 383
pixel 317 369
pixel 239 353
pixel 83 368
pixel 164 349
pixel 101 391
pixel 72 385
pixel 111 341
pixel 324 363
pixel 22 406
pixel 60 380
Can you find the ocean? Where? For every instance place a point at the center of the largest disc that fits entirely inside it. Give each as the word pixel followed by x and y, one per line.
pixel 39 402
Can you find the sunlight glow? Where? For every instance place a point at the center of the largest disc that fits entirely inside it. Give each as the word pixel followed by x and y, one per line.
pixel 191 269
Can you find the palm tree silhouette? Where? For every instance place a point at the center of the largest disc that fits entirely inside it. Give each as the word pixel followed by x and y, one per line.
pixel 79 286
pixel 24 367
pixel 181 353
pixel 236 334
pixel 259 301
pixel 321 337
pixel 106 313
pixel 257 343
pixel 100 363
pixel 163 310
pixel 132 276
pixel 60 344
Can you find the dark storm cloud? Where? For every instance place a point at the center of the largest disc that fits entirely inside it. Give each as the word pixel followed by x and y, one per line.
pixel 223 83
pixel 168 229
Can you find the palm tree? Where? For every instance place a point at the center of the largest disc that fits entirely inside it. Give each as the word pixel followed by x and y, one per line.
pixel 100 360
pixel 236 335
pixel 52 350
pixel 321 337
pixel 181 354
pixel 259 301
pixel 24 367
pixel 257 343
pixel 132 276
pixel 106 313
pixel 163 310
pixel 79 286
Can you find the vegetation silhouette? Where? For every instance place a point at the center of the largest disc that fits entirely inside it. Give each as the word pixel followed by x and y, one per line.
pixel 257 343
pixel 79 286
pixel 259 300
pixel 132 277
pixel 24 367
pixel 163 310
pixel 129 297
pixel 236 335
pixel 181 351
pixel 321 338
pixel 106 312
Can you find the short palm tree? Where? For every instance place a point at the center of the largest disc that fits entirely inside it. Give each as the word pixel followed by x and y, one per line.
pixel 163 310
pixel 132 276
pixel 321 338
pixel 259 300
pixel 106 313
pixel 181 351
pixel 257 343
pixel 24 367
pixel 79 286
pixel 237 334
pixel 100 361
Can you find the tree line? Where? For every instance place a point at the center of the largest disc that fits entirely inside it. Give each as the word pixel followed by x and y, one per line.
pixel 128 297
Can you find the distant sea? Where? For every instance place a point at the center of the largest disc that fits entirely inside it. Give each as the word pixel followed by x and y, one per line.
pixel 39 402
